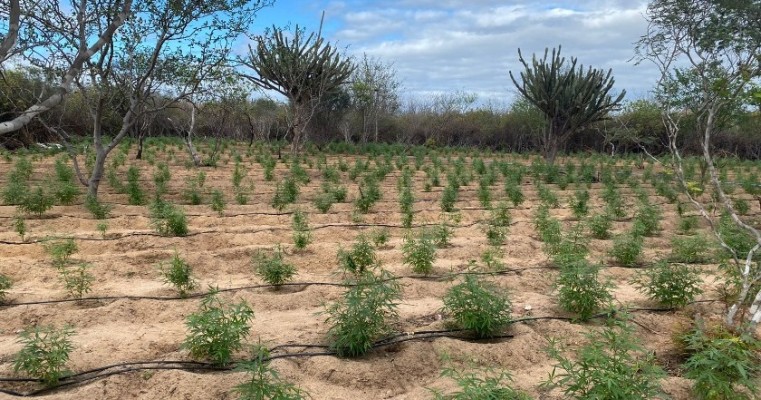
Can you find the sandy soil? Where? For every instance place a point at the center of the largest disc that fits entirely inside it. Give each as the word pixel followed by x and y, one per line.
pixel 220 249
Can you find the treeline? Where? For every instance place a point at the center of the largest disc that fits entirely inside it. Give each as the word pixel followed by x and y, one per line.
pixel 445 120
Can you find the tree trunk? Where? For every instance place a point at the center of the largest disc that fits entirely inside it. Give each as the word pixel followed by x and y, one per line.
pixel 97 172
pixel 140 139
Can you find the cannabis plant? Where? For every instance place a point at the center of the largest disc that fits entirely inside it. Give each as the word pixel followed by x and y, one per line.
pixel 478 306
pixel 45 353
pixel 217 330
pixel 272 268
pixel 178 273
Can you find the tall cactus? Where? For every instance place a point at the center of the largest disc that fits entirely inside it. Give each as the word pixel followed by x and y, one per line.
pixel 571 98
pixel 300 66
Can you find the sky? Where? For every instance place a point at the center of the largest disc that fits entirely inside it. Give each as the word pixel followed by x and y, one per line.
pixel 449 46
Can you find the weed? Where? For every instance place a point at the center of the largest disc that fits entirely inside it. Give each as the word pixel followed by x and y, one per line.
pixel 217 330
pixel 720 361
pixel 448 198
pixel 65 188
pixel 323 202
pixel 363 314
pixel 647 220
pixel 102 227
pixel 135 193
pixel 302 235
pixel 687 224
pixel 599 226
pixel 178 273
pixel 168 219
pixel 514 193
pixel 273 269
pixel 419 253
pixel 264 381
pixel 45 353
pixel 627 249
pixel 37 201
pixel 218 202
pixel 380 237
pixel 671 285
pixel 97 208
pixel 478 306
pixel 360 258
pixel 690 249
pixel 741 206
pixel 613 365
pixel 580 204
pixel 19 225
pixel 492 258
pixel 5 284
pixel 193 186
pixel 77 280
pixel 61 251
pixel 161 178
pixel 581 291
pixel 17 186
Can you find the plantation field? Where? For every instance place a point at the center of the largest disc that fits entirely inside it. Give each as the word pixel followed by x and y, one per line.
pixel 130 326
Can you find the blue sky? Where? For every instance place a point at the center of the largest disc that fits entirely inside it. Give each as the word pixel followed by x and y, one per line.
pixel 447 46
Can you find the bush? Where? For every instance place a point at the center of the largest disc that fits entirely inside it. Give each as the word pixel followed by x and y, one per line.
pixel 273 269
pixel 264 381
pixel 179 274
pixel 97 208
pixel 627 249
pixel 360 258
pixel 613 365
pixel 37 201
pixel 161 177
pixel 514 193
pixel 65 188
pixel 218 202
pixel 647 220
pixel 720 362
pixel 687 224
pixel 77 280
pixel 369 194
pixel 478 306
pixel 168 219
pixel 672 285
pixel 324 201
pixel 45 353
pixel 599 226
pixel 448 198
pixel 580 204
pixel 363 314
pixel 135 194
pixel 690 249
pixel 217 330
pixel 492 258
pixel 19 226
pixel 193 186
pixel 581 291
pixel 419 253
pixel 302 235
pixel 474 387
pixel 61 251
pixel 17 182
pixel 5 284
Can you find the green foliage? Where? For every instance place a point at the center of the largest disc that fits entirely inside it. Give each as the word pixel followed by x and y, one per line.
pixel 273 269
pixel 489 386
pixel 448 198
pixel 37 201
pixel 218 202
pixel 514 192
pixel 571 249
pixel 369 194
pixel 380 237
pixel 492 258
pixel 302 235
pixel 627 249
pixel 580 204
pixel 497 227
pixel 102 227
pixel 45 353
pixel 193 186
pixel 65 188
pixel 690 249
pixel 178 273
pixel 647 220
pixel 581 291
pixel 97 208
pixel 77 280
pixel 671 285
pixel 549 228
pixel 720 362
pixel 484 192
pixel 478 306
pixel 17 182
pixel 360 258
pixel 5 284
pixel 612 366
pixel 687 224
pixel 363 314
pixel 741 206
pixel 135 193
pixel 19 226
pixel 419 253
pixel 614 204
pixel 168 219
pixel 264 381
pixel 547 196
pixel 61 251
pixel 161 178
pixel 324 201
pixel 217 330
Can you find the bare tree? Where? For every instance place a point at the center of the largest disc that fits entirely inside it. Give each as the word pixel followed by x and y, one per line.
pixel 373 90
pixel 708 55
pixel 8 42
pixel 67 36
pixel 300 66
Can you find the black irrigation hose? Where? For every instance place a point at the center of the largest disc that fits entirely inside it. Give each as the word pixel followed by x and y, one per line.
pixel 122 368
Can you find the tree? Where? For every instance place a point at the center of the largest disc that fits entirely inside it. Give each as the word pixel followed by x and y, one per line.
pixel 302 67
pixel 65 31
pixel 166 54
pixel 709 57
pixel 373 91
pixel 569 97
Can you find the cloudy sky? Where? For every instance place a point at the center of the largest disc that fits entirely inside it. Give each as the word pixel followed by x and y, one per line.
pixel 448 46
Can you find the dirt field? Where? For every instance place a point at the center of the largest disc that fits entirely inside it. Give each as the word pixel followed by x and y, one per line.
pixel 219 248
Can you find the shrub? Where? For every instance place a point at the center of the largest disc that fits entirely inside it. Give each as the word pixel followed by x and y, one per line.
pixel 5 284
pixel 360 258
pixel 178 273
pixel 689 249
pixel 484 193
pixel 302 235
pixel 264 381
pixel 647 220
pixel 161 177
pixel 492 258
pixel 37 201
pixel 627 249
pixel 19 225
pixel 380 237
pixel 486 387
pixel 720 361
pixel 97 208
pixel 672 285
pixel 514 193
pixel 363 314
pixel 599 226
pixel 549 228
pixel 547 196
pixel 571 248
pixel 369 194
pixel 45 353
pixel 61 251
pixel 687 224
pixel 16 188
pixel 580 204
pixel 273 269
pixel 65 188
pixel 217 329
pixel 168 219
pixel 324 201
pixel 581 291
pixel 478 306
pixel 448 198
pixel 218 202
pixel 613 365
pixel 419 253
pixel 193 186
pixel 77 280
pixel 741 206
pixel 441 235
pixel 102 227
pixel 135 194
